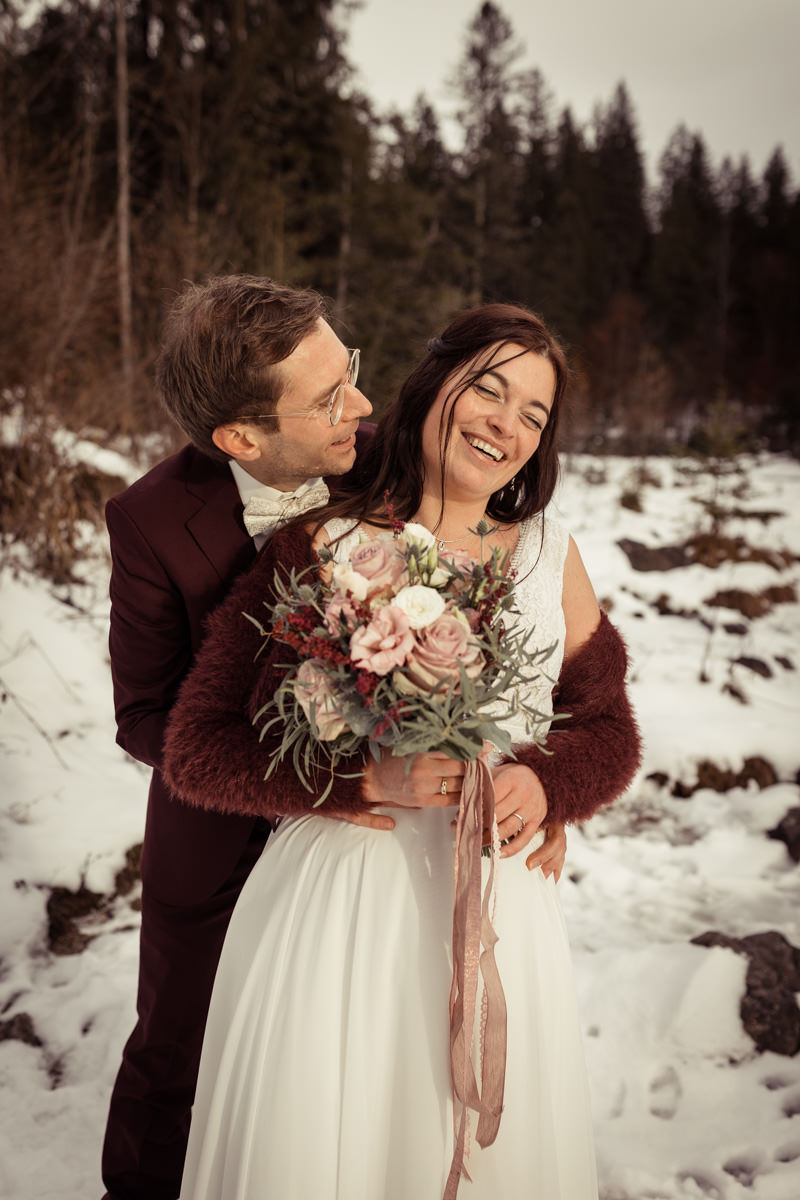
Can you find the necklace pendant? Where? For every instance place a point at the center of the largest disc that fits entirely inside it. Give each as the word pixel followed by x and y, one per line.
pixel 441 545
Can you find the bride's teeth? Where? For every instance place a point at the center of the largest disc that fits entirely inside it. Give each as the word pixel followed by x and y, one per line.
pixel 486 448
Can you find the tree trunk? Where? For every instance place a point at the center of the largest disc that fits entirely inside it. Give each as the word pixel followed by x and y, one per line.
pixel 124 209
pixel 345 236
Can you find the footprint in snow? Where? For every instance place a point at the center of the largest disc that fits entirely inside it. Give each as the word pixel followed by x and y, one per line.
pixel 665 1094
pixel 701 1184
pixel 780 1079
pixel 744 1167
pixel 617 1107
pixel 788 1151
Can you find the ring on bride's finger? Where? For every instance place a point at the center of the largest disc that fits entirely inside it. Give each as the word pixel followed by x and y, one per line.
pixel 522 821
pixel 443 787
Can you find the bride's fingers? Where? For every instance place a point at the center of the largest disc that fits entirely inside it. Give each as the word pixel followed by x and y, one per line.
pixel 515 831
pixel 550 855
pixel 512 825
pixel 518 838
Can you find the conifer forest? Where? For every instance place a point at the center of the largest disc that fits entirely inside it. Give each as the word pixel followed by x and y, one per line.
pixel 147 142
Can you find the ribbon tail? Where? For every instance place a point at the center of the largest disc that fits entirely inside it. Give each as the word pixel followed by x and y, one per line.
pixel 495 1026
pixel 472 931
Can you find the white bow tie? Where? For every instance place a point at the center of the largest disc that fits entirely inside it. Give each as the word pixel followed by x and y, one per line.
pixel 264 514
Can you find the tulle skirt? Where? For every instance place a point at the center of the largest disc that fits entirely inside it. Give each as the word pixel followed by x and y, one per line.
pixel 325 1070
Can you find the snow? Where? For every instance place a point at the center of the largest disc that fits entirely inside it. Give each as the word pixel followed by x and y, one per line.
pixel 685 1106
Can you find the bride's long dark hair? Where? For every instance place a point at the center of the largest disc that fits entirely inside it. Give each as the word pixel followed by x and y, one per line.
pixel 392 462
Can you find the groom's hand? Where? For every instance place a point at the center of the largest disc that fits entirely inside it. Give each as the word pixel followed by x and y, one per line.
pixel 368 820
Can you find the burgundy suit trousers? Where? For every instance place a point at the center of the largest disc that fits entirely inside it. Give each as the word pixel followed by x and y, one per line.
pixel 150 1107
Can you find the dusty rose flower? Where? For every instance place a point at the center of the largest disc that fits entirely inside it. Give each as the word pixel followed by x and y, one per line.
pixel 384 643
pixel 380 562
pixel 470 615
pixel 462 560
pixel 438 651
pixel 313 692
pixel 340 605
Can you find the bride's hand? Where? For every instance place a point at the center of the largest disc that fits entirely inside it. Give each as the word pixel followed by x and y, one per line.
pixel 520 806
pixel 551 854
pixel 433 781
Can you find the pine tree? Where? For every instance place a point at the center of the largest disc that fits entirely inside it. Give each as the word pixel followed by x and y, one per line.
pixel 684 276
pixel 491 167
pixel 566 264
pixel 776 287
pixel 620 233
pixel 406 263
pixel 537 183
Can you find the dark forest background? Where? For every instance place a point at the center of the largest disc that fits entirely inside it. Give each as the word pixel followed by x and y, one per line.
pixel 145 142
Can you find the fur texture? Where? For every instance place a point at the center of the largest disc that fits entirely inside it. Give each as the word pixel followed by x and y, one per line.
pixel 593 754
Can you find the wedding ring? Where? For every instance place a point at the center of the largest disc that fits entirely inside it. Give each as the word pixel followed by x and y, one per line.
pixel 443 787
pixel 522 821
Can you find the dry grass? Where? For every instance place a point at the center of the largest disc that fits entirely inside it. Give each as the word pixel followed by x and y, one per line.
pixel 45 501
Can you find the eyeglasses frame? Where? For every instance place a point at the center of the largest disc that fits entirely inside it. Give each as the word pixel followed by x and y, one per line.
pixel 335 408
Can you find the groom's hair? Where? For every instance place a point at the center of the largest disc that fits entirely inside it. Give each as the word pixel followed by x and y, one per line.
pixel 392 462
pixel 223 343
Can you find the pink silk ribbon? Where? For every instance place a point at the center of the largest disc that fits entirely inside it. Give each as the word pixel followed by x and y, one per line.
pixel 474 940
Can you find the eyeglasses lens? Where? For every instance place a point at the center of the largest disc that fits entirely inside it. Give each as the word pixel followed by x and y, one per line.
pixel 337 399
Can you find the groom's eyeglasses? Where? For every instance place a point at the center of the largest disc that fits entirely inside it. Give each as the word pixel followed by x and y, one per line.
pixel 335 405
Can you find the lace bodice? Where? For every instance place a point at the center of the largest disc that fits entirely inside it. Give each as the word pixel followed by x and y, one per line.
pixel 538 563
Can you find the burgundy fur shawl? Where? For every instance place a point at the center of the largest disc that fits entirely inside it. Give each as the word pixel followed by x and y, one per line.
pixel 212 753
pixel 591 755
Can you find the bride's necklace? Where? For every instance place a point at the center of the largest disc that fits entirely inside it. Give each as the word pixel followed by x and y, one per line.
pixel 442 542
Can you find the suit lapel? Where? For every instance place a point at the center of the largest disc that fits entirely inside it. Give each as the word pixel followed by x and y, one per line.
pixel 216 523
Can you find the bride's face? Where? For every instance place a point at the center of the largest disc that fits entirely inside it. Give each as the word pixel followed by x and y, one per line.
pixel 497 422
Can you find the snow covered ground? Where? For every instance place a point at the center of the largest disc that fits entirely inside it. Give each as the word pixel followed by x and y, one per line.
pixel 685 1106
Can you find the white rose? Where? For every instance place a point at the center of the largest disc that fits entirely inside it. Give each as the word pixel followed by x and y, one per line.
pixel 438 578
pixel 348 580
pixel 421 604
pixel 414 532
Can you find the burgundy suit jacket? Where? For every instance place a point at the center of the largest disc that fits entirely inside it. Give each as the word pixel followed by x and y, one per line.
pixel 177 543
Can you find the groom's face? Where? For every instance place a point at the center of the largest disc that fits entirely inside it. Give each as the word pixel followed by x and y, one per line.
pixel 299 442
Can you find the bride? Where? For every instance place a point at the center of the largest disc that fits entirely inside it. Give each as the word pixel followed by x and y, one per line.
pixel 326 1062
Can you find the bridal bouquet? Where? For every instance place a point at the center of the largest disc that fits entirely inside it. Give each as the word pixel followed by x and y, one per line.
pixel 399 647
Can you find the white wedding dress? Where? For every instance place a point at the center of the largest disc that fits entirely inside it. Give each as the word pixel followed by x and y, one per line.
pixel 325 1072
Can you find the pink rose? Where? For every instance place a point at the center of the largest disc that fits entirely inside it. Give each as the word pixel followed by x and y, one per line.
pixel 435 657
pixel 313 691
pixel 380 562
pixel 462 560
pixel 384 643
pixel 340 606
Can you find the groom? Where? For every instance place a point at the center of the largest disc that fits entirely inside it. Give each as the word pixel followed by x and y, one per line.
pixel 238 347
pixel 266 393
